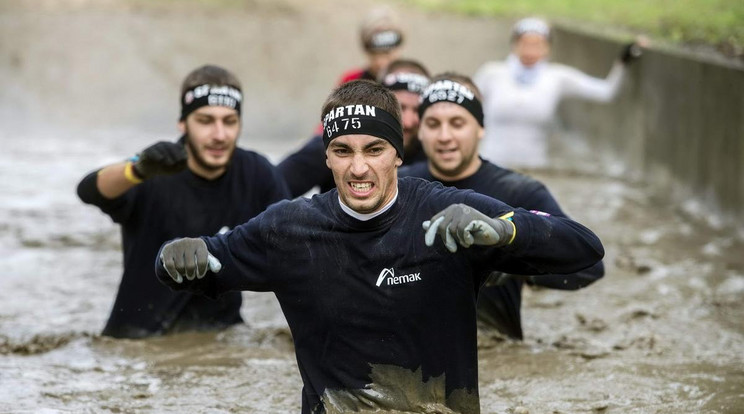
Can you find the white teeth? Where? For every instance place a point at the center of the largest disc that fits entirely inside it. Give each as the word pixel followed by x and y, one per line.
pixel 361 186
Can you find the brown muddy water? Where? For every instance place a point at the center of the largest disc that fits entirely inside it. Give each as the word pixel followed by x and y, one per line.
pixel 84 84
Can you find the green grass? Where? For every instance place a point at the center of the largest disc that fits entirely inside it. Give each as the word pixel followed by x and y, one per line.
pixel 716 22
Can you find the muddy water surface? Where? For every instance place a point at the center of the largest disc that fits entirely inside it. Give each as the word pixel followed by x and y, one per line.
pixel 87 85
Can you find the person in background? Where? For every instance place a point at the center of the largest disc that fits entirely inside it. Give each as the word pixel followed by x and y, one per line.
pixel 450 133
pixel 305 169
pixel 521 94
pixel 381 38
pixel 202 184
pixel 382 314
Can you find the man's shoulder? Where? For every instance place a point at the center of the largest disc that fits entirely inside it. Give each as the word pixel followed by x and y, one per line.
pixel 416 188
pixel 350 75
pixel 247 156
pixel 249 160
pixel 504 176
pixel 417 169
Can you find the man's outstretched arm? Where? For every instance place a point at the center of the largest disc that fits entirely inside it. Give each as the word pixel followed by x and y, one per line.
pixel 525 243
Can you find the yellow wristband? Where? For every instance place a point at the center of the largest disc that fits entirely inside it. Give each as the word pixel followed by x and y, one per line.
pixel 509 217
pixel 130 175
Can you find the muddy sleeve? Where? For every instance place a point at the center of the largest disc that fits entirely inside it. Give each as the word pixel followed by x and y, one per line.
pixel 119 208
pixel 306 168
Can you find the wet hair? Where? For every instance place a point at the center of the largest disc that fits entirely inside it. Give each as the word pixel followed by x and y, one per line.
pixel 461 79
pixel 380 31
pixel 209 75
pixel 363 92
pixel 405 65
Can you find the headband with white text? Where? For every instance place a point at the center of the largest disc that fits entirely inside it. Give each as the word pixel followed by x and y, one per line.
pixel 411 82
pixel 383 40
pixel 210 95
pixel 363 120
pixel 450 91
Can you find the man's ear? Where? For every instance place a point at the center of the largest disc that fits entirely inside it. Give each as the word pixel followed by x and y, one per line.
pixel 481 133
pixel 398 162
pixel 182 127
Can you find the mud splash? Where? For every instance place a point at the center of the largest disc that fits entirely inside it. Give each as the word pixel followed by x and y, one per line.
pixel 396 390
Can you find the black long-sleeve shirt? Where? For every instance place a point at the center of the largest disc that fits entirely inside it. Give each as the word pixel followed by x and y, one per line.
pixel 180 205
pixel 499 303
pixel 380 320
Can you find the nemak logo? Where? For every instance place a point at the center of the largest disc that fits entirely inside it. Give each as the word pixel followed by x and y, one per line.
pixel 389 275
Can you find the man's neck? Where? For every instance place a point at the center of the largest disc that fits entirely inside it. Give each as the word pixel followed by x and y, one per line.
pixel 205 173
pixel 369 216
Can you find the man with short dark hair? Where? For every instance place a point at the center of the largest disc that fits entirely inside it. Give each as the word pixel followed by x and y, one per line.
pixel 304 169
pixel 382 315
pixel 201 184
pixel 450 132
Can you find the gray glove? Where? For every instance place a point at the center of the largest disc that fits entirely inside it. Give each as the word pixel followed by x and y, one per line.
pixel 467 226
pixel 162 158
pixel 188 257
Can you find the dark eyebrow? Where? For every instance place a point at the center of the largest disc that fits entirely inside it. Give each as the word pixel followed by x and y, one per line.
pixel 337 144
pixel 378 141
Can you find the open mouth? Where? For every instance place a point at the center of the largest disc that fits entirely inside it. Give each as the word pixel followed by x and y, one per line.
pixel 216 152
pixel 361 188
pixel 446 152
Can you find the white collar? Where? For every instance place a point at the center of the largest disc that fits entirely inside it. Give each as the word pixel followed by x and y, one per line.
pixel 523 74
pixel 369 216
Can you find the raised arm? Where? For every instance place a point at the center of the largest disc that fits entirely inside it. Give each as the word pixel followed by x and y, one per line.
pixel 522 242
pixel 578 84
pixel 114 180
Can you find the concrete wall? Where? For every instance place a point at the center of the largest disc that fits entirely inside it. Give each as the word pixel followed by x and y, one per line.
pixel 678 123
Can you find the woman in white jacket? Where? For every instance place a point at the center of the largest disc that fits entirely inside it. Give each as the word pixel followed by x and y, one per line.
pixel 521 95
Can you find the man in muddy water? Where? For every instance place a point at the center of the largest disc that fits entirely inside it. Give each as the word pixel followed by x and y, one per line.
pixel 305 169
pixel 199 185
pixel 450 132
pixel 382 314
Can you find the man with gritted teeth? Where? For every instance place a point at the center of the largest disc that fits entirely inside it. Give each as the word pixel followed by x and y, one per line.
pixel 378 278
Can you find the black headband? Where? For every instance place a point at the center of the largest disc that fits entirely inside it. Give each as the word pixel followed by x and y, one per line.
pixel 362 119
pixel 450 91
pixel 406 81
pixel 383 40
pixel 210 95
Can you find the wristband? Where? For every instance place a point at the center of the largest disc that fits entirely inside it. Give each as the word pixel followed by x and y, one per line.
pixel 510 218
pixel 130 175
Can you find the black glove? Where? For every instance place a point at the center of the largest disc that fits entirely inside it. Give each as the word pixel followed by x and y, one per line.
pixel 188 257
pixel 467 226
pixel 162 158
pixel 630 52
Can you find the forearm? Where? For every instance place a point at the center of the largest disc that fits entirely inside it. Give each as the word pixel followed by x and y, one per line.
pixel 581 85
pixel 551 245
pixel 571 281
pixel 214 265
pixel 113 181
